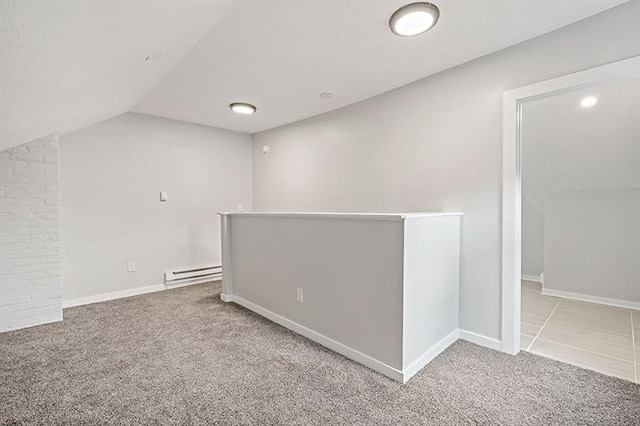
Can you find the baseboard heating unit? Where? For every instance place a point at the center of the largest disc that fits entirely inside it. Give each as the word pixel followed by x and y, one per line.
pixel 182 277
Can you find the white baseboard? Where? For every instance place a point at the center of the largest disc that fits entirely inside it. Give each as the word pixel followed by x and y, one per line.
pixel 123 293
pixel 338 347
pixel 170 286
pixel 113 295
pixel 535 279
pixel 22 327
pixel 593 299
pixel 366 360
pixel 479 339
pixel 428 356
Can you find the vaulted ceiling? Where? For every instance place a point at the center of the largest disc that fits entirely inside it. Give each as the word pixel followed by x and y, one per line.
pixel 68 64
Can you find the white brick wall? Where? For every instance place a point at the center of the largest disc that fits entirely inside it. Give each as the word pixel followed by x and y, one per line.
pixel 30 289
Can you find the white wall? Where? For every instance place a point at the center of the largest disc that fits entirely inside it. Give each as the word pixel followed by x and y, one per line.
pixel 593 243
pixel 434 144
pixel 111 177
pixel 566 147
pixel 30 291
pixel 431 276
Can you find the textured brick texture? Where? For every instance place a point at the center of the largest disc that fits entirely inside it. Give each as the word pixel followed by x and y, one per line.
pixel 30 289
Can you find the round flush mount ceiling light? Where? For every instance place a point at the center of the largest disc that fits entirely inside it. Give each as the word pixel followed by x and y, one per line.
pixel 414 19
pixel 326 95
pixel 588 102
pixel 242 108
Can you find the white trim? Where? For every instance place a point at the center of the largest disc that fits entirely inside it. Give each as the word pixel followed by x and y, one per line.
pixel 379 366
pixel 479 339
pixel 593 299
pixel 511 227
pixel 113 295
pixel 635 348
pixel 69 303
pixel 212 278
pixel 335 215
pixel 23 327
pixel 427 357
pixel 511 179
pixel 340 348
pixel 531 278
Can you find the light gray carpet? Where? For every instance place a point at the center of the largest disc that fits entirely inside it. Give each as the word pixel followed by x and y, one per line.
pixel 184 357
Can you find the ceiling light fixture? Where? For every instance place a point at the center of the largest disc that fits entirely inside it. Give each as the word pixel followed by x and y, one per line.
pixel 414 19
pixel 588 102
pixel 326 95
pixel 242 108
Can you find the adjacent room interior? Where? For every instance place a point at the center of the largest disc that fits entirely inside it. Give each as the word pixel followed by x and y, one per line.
pixel 319 212
pixel 580 204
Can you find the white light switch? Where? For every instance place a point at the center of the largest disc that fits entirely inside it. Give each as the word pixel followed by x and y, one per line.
pixel 163 196
pixel 240 207
pixel 300 295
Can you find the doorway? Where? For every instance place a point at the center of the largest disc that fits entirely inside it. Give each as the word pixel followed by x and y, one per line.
pixel 541 304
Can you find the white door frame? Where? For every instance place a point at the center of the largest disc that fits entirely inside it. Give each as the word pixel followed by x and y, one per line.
pixel 511 178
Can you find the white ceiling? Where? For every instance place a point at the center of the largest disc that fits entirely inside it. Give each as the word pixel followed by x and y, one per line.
pixel 279 55
pixel 67 64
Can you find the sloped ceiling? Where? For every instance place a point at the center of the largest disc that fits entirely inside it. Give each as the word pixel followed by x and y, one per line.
pixel 68 64
pixel 280 55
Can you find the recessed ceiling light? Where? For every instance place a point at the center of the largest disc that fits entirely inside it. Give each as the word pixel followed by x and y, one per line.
pixel 414 19
pixel 242 108
pixel 589 101
pixel 326 95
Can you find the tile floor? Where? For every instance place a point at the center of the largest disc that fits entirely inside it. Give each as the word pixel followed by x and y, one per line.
pixel 598 337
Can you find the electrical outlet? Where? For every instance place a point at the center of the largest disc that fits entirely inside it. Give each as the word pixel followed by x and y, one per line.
pixel 300 295
pixel 240 207
pixel 131 266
